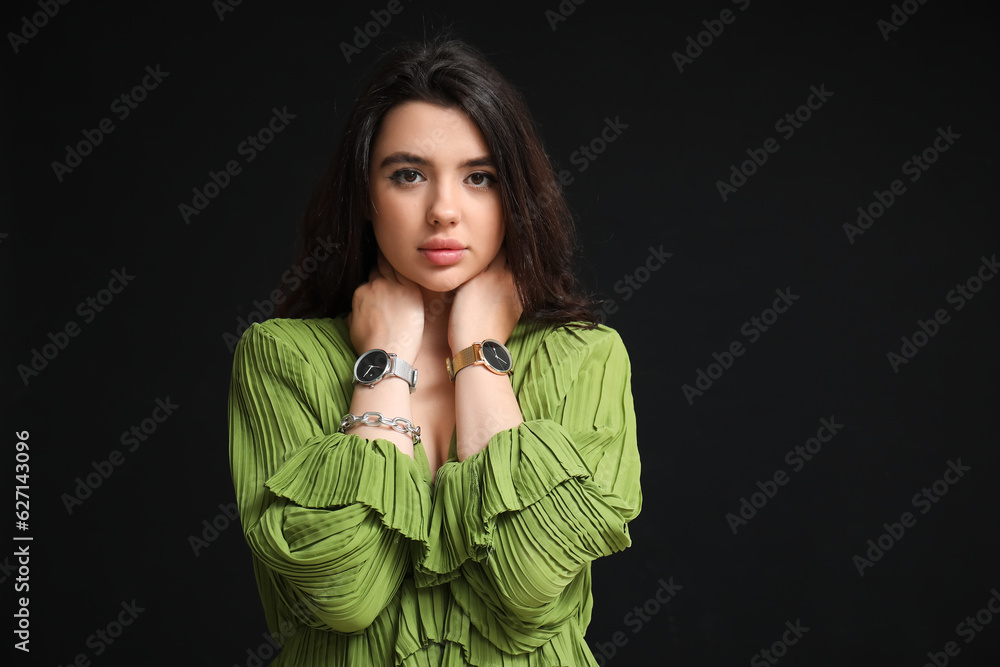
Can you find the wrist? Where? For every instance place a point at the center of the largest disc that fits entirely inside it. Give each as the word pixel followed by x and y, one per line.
pixel 464 341
pixel 377 364
pixel 401 346
pixel 489 353
pixel 373 418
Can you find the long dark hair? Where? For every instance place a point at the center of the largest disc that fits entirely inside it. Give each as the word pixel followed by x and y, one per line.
pixel 539 237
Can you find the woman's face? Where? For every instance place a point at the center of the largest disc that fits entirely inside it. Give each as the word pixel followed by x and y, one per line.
pixel 435 200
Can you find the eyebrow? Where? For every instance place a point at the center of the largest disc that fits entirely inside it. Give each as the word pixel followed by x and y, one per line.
pixel 409 158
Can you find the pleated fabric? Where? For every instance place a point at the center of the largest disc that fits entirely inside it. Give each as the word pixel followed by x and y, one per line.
pixel 361 560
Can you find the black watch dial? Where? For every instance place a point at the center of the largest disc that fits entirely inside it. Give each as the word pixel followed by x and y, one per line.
pixel 496 356
pixel 371 366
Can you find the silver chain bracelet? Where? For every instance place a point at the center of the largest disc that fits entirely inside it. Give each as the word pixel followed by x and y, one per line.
pixel 371 418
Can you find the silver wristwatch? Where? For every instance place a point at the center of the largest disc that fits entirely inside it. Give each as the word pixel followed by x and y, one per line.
pixel 375 365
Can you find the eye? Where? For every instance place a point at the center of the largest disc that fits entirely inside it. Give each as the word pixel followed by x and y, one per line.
pixel 406 176
pixel 482 179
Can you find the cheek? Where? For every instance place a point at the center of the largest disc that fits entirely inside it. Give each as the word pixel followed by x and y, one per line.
pixel 398 210
pixel 494 212
pixel 388 217
pixel 378 206
pixel 501 233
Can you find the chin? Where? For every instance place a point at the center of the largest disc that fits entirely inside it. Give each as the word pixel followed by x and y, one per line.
pixel 446 281
pixel 441 286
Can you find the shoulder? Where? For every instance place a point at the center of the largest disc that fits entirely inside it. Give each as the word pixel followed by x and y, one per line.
pixel 573 337
pixel 294 330
pixel 547 350
pixel 580 335
pixel 319 341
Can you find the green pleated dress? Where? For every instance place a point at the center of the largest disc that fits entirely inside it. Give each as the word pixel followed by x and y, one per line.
pixel 361 560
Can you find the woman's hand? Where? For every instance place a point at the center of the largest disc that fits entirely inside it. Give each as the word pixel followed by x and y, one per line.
pixel 486 306
pixel 387 313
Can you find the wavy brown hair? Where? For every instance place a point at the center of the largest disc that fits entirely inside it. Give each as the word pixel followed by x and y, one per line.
pixel 539 237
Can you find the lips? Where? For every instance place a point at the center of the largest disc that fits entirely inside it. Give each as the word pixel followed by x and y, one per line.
pixel 442 252
pixel 438 243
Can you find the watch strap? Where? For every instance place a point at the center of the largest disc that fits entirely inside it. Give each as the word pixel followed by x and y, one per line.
pixel 466 357
pixel 399 368
pixel 474 355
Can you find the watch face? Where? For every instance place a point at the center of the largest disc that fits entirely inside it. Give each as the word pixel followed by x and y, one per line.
pixel 371 366
pixel 496 356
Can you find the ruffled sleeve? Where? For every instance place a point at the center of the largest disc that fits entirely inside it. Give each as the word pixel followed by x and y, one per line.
pixel 331 518
pixel 513 526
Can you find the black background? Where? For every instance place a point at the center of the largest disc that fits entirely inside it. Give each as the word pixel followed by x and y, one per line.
pixel 655 185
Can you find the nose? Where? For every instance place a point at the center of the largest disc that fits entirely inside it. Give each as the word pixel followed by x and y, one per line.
pixel 442 209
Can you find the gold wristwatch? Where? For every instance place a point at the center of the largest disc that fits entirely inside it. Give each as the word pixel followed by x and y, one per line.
pixel 490 353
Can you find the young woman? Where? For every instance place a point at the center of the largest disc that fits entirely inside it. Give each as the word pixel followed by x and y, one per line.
pixel 436 439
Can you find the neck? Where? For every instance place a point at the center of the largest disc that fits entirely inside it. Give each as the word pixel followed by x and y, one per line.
pixel 437 312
